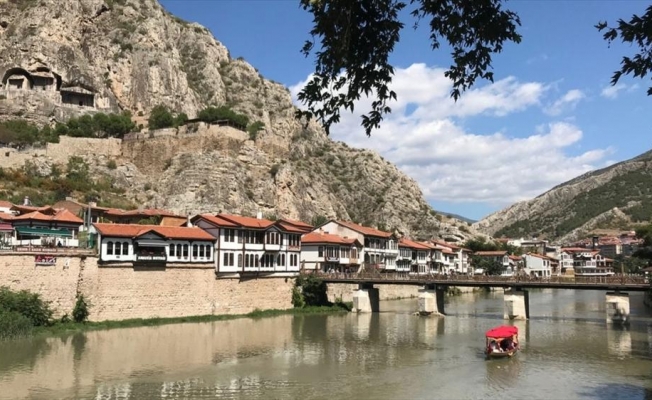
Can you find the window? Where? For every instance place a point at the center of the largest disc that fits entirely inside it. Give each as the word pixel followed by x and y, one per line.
pixel 125 248
pixel 280 261
pixel 229 235
pixel 171 250
pixel 320 251
pixel 294 260
pixel 229 259
pixel 201 251
pixel 178 252
pixel 273 238
pixel 293 240
pixel 118 248
pixel 185 251
pixel 331 252
pixel 354 252
pixel 267 261
pixel 194 251
pixel 209 251
pixel 109 248
pixel 345 252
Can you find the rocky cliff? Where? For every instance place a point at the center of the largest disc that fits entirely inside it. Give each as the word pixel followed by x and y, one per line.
pixel 61 58
pixel 617 197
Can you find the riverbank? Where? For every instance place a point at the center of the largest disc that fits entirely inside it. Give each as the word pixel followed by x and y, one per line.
pixel 73 327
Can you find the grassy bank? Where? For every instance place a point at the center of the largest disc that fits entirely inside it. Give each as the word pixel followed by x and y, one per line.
pixel 71 327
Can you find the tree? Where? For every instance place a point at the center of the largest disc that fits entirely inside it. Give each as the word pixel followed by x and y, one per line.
pixel 488 265
pixel 160 117
pixel 357 37
pixel 638 32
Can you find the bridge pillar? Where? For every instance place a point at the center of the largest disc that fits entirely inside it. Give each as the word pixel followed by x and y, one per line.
pixel 431 300
pixel 517 304
pixel 617 308
pixel 366 299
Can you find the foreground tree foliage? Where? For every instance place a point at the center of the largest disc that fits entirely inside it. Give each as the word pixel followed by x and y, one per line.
pixel 357 37
pixel 638 33
pixel 352 41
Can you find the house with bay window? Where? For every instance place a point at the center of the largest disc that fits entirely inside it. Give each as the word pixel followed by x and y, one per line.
pixel 497 256
pixel 154 244
pixel 253 245
pixel 414 257
pixel 380 249
pixel 330 253
pixel 454 259
pixel 586 262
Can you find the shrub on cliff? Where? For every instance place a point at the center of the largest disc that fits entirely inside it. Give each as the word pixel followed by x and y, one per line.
pixel 29 305
pixel 160 117
pixel 222 113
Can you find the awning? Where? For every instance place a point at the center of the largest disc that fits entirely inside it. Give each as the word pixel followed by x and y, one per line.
pixel 504 331
pixel 34 231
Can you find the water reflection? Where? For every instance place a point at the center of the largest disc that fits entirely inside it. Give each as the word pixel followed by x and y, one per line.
pixel 619 340
pixel 392 354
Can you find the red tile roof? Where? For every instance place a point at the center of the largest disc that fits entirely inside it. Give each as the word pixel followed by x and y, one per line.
pixel 247 222
pixel 515 258
pixel 147 212
pixel 490 253
pixel 6 216
pixel 215 220
pixel 62 215
pixel 412 244
pixel 365 230
pixel 299 224
pixel 575 249
pixel 28 209
pixel 289 227
pixel 6 204
pixel 541 256
pixel 327 238
pixel 168 232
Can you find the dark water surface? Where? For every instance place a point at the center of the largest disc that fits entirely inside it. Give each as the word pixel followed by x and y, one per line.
pixel 568 352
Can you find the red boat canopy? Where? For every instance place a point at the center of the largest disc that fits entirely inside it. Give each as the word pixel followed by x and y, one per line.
pixel 504 331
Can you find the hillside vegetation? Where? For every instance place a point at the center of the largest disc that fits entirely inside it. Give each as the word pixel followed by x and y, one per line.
pixel 617 197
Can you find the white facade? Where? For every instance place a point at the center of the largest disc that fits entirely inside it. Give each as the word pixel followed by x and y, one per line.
pixel 241 249
pixel 117 249
pixel 536 265
pixel 329 257
pixel 381 251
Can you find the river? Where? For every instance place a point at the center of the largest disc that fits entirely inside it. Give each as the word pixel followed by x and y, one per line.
pixel 568 352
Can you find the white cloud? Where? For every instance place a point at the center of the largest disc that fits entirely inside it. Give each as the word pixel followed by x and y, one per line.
pixel 567 102
pixel 423 136
pixel 612 91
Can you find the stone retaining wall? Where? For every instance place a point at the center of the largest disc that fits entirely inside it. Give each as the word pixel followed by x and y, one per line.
pixel 123 292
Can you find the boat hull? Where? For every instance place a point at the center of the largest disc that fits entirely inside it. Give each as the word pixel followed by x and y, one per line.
pixel 504 354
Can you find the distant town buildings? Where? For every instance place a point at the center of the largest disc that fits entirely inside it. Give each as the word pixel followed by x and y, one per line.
pixel 236 245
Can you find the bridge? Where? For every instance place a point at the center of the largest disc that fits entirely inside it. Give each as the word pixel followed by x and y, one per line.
pixel 431 297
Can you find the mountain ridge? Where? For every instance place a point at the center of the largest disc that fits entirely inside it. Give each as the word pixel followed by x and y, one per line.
pixel 617 196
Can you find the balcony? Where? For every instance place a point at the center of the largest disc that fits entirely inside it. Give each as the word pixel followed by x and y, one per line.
pixel 272 247
pixel 151 258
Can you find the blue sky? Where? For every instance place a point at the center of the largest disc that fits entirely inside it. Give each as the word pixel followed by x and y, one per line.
pixel 550 116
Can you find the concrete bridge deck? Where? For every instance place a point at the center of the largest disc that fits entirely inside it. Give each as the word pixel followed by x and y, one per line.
pixel 616 282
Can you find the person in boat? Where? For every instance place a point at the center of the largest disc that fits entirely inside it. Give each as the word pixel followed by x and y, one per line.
pixel 494 347
pixel 507 344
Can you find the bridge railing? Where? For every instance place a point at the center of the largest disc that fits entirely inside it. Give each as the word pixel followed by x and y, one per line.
pixel 619 279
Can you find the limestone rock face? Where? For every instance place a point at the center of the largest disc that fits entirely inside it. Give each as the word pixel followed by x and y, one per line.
pixel 61 58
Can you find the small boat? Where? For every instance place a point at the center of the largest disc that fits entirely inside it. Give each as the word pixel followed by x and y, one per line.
pixel 502 341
